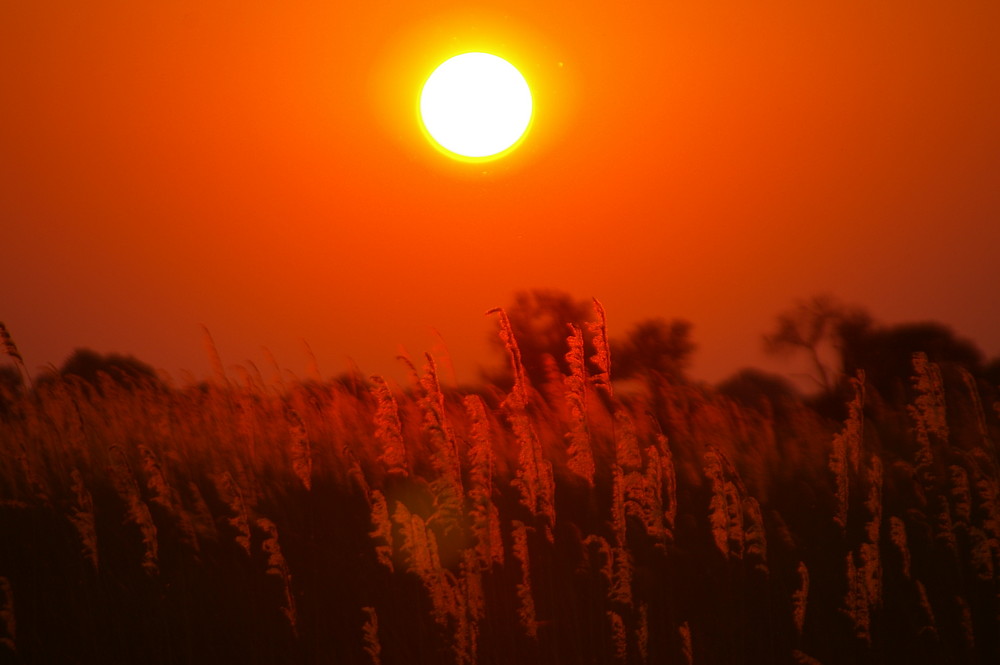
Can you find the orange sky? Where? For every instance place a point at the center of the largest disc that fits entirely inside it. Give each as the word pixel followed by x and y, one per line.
pixel 257 167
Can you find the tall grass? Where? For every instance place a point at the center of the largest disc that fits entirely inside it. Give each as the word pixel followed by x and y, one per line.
pixel 363 522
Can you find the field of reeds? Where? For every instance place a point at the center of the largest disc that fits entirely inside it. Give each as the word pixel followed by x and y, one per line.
pixel 361 522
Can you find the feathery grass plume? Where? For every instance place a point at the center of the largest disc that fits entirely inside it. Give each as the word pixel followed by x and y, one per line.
pixel 472 584
pixel 602 349
pixel 726 503
pixel 381 534
pixel 627 454
pixel 928 410
pixel 301 450
pixel 620 592
pixel 642 633
pixel 961 495
pixel 669 482
pixel 580 454
pixel 944 528
pixel 165 497
pixel 618 523
pixel 800 599
pixel 981 555
pixel 845 456
pixel 897 534
pixel 35 483
pixel 687 649
pixel 369 631
pixel 7 619
pixel 136 510
pixel 212 351
pixel 735 492
pixel 534 482
pixel 520 390
pixel 355 473
pixel 278 567
pixel 871 561
pixel 637 491
pixel 200 516
pixel 534 479
pixel 7 344
pixel 472 603
pixel 856 602
pixel 930 624
pixel 231 494
pixel 82 518
pixel 986 493
pixel 388 429
pixel 652 499
pixel 526 602
pixel 10 349
pixel 756 534
pixel 446 487
pixel 618 637
pixel 449 599
pixel 484 518
pixel 414 549
pixel 606 567
pixel 968 631
pixel 718 512
pixel 972 390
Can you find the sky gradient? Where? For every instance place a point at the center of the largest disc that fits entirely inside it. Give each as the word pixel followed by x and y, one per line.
pixel 257 168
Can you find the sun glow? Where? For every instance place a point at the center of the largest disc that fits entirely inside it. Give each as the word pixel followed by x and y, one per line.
pixel 476 106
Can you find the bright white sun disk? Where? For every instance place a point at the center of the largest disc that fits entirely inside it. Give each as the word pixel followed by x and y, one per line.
pixel 476 105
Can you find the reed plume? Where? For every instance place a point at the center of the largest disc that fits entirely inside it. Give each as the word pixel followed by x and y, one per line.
pixel 136 510
pixel 381 532
pixel 580 455
pixel 9 349
pixel 800 599
pixel 928 411
pixel 844 459
pixel 388 429
pixel 369 632
pixel 897 535
pixel 212 351
pixel 484 518
pixel 618 637
pixel 687 649
pixel 526 602
pixel 82 518
pixel 301 449
pixel 602 349
pixel 277 566
pixel 164 496
pixel 446 486
pixel 239 518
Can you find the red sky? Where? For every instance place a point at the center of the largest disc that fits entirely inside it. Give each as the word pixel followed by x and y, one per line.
pixel 257 168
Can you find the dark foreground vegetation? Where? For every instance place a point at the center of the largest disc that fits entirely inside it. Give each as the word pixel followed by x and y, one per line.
pixel 544 517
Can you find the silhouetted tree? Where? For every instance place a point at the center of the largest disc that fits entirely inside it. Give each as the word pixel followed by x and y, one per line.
pixel 885 353
pixel 654 347
pixel 90 366
pixel 759 390
pixel 817 327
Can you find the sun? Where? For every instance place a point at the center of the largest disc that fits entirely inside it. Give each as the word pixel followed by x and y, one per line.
pixel 476 106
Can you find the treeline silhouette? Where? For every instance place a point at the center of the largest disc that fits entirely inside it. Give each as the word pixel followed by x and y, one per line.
pixel 549 514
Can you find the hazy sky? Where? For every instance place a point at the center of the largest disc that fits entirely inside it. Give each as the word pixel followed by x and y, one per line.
pixel 257 167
